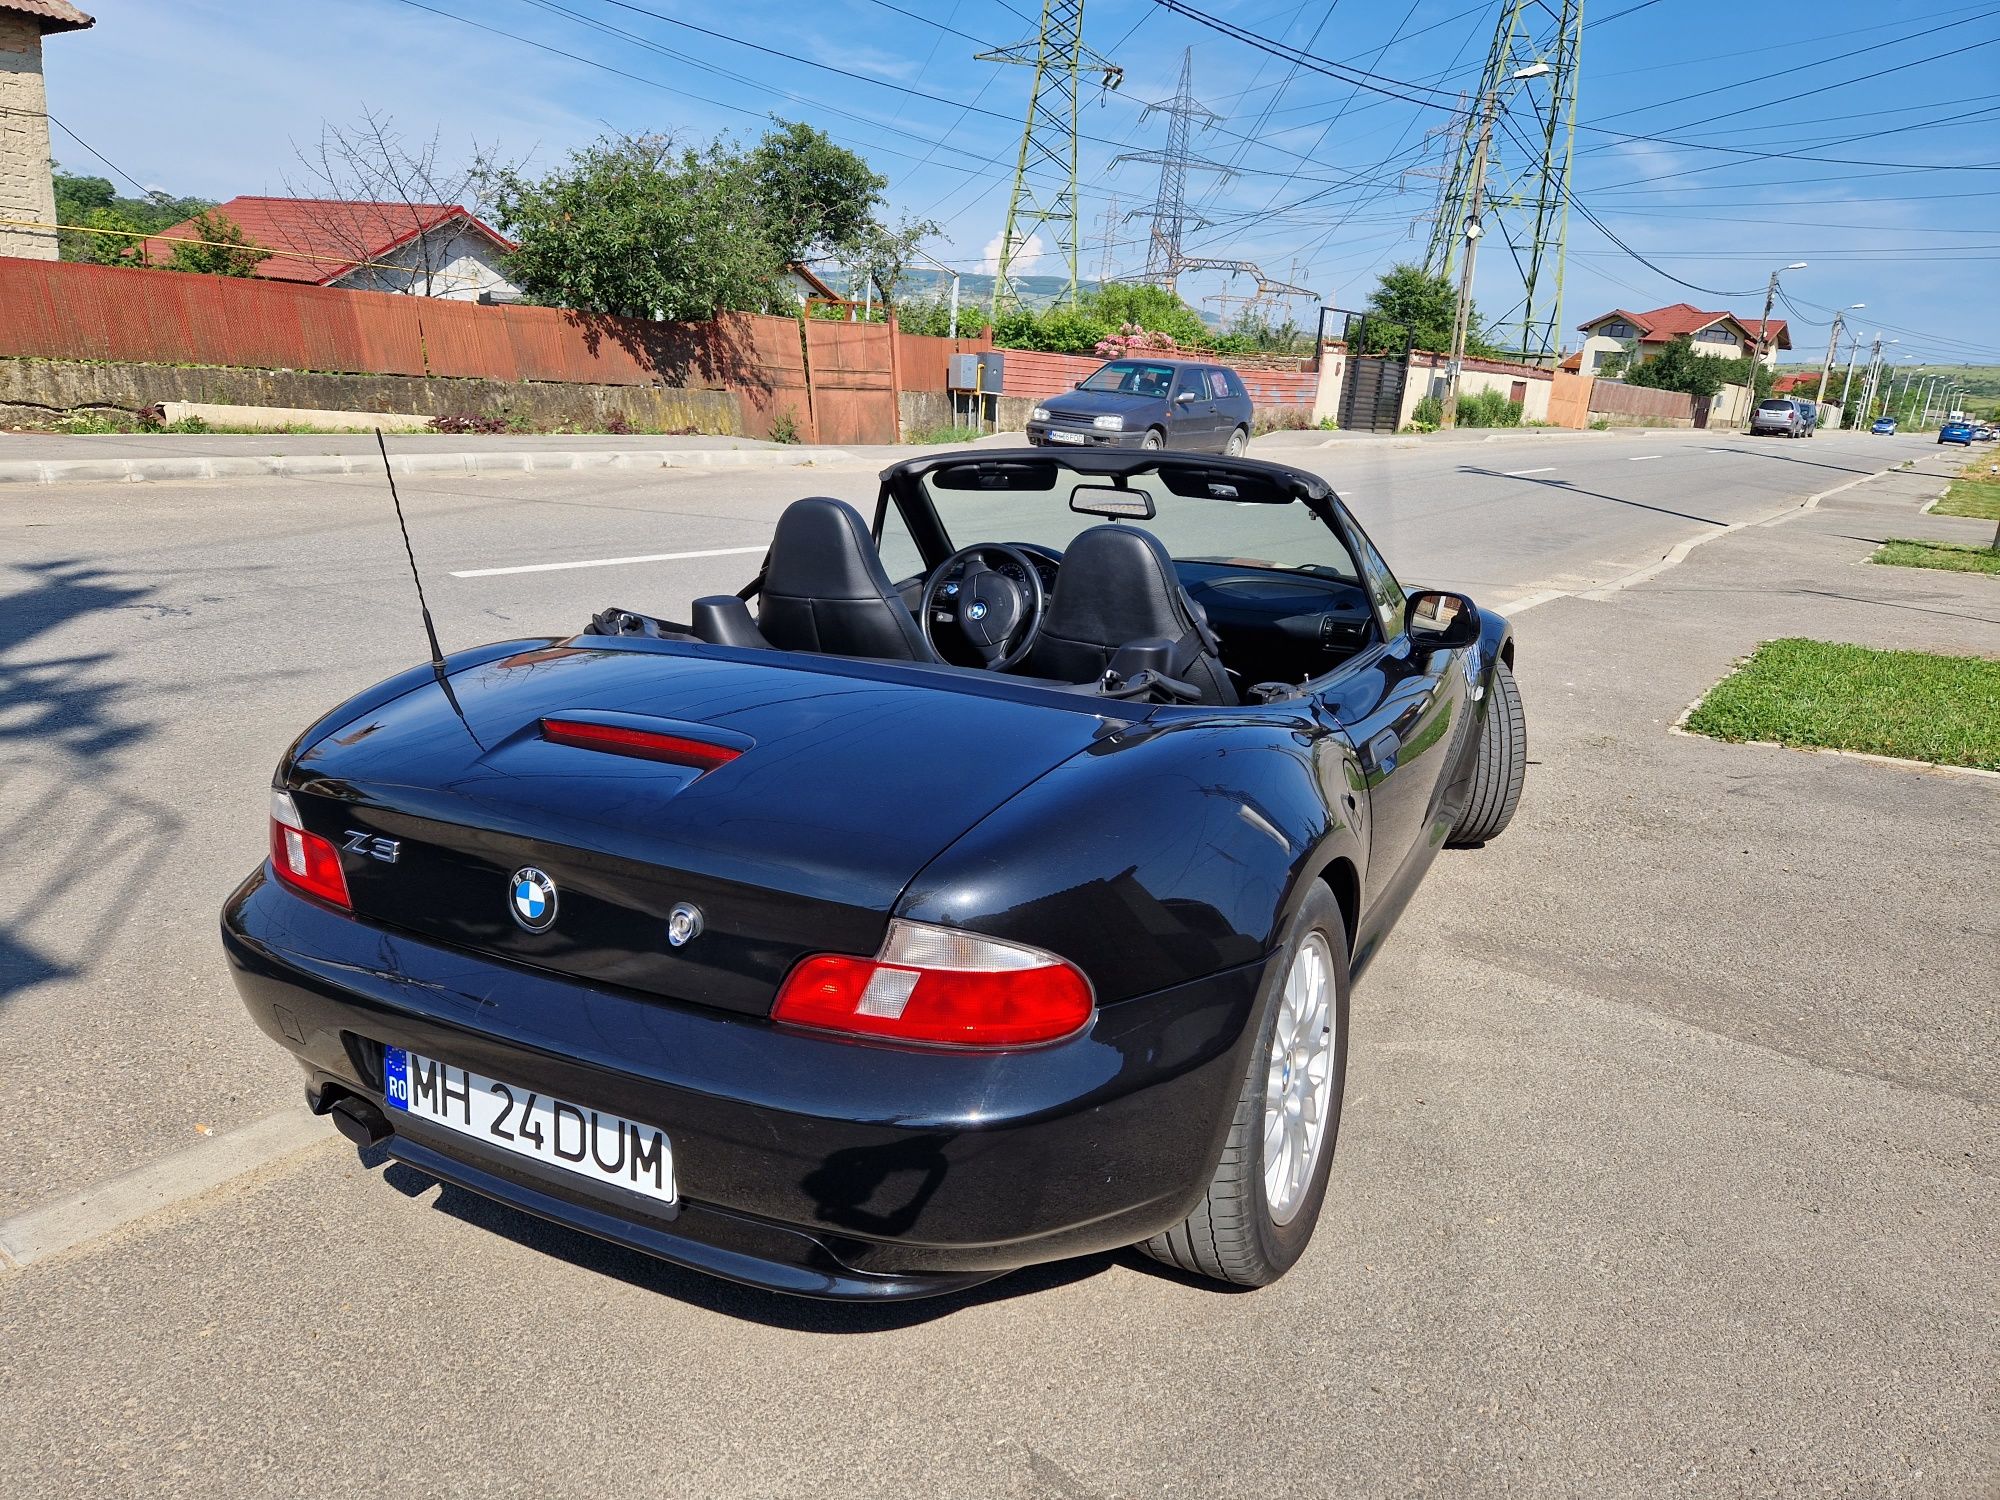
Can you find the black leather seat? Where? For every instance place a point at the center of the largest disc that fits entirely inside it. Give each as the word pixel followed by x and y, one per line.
pixel 825 590
pixel 1116 586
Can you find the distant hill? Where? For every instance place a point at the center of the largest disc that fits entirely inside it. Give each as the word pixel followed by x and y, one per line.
pixel 924 284
pixel 1981 382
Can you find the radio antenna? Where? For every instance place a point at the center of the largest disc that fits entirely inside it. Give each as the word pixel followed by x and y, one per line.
pixel 423 605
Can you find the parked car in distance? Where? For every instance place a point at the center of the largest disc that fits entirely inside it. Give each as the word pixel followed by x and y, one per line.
pixel 1149 402
pixel 1956 432
pixel 1779 415
pixel 1808 413
pixel 1884 427
pixel 1983 432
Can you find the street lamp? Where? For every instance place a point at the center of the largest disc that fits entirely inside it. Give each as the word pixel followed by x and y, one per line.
pixel 1448 413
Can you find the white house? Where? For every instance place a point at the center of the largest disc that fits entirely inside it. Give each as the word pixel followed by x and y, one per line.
pixel 1645 334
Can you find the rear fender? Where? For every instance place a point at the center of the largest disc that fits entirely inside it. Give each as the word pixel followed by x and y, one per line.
pixel 1161 854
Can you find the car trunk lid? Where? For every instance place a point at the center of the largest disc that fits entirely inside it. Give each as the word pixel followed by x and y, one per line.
pixel 831 784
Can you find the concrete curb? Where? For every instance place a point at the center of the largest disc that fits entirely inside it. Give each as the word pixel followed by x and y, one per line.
pixel 138 470
pixel 108 1206
pixel 1512 434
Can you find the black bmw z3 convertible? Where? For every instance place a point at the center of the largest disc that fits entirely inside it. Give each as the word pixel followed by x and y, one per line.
pixel 868 939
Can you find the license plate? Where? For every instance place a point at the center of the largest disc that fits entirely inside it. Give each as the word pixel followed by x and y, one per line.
pixel 1058 436
pixel 589 1142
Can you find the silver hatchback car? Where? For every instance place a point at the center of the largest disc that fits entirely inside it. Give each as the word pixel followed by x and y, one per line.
pixel 1780 416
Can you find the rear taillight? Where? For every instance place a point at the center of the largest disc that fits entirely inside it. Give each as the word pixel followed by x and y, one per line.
pixel 304 860
pixel 932 984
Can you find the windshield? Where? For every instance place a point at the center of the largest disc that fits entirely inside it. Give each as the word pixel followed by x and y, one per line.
pixel 1214 525
pixel 1132 377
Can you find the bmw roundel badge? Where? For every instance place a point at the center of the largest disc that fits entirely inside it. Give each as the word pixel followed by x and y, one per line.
pixel 976 610
pixel 533 899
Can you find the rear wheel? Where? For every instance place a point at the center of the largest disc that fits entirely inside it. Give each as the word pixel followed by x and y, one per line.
pixel 1238 441
pixel 1153 440
pixel 1264 1199
pixel 1502 766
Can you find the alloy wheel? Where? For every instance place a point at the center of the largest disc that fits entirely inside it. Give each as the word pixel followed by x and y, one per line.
pixel 1299 1088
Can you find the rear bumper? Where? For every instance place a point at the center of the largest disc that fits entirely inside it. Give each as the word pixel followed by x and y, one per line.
pixel 806 1164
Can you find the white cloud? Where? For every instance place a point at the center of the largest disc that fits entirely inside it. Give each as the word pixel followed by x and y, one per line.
pixel 1029 254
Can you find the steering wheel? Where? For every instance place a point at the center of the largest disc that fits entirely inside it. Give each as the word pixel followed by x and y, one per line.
pixel 997 616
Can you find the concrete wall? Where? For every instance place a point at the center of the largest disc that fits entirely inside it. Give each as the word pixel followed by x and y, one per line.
pixel 1427 378
pixel 463 262
pixel 39 387
pixel 26 189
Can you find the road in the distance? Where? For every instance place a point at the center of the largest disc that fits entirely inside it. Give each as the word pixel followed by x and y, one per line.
pixel 160 644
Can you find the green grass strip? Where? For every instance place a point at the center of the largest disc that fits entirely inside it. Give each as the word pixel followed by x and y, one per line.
pixel 1977 498
pixel 1955 557
pixel 1819 694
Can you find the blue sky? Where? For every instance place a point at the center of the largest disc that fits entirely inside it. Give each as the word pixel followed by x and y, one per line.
pixel 1888 185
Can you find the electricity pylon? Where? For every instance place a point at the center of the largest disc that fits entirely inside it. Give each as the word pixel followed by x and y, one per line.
pixel 1527 167
pixel 1048 138
pixel 1171 216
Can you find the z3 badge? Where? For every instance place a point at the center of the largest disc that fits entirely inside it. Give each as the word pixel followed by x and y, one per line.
pixel 373 846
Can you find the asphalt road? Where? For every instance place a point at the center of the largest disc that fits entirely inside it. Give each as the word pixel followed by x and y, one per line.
pixel 1513 1192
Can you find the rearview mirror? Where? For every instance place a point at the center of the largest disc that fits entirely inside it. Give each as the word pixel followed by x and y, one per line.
pixel 1111 502
pixel 1438 621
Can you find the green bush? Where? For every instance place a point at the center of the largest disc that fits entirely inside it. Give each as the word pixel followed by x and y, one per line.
pixel 1488 409
pixel 1427 413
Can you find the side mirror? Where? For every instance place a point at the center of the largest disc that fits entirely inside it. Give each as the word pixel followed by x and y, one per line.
pixel 1438 621
pixel 1184 397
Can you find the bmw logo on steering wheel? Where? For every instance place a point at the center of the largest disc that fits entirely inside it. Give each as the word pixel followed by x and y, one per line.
pixel 533 899
pixel 976 610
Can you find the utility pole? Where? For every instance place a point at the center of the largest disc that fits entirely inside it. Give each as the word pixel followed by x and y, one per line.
pixel 1764 334
pixel 1048 138
pixel 1461 319
pixel 1853 349
pixel 1832 339
pixel 1462 314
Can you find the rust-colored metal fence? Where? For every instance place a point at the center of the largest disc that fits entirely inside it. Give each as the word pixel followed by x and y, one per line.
pixel 853 372
pixel 922 360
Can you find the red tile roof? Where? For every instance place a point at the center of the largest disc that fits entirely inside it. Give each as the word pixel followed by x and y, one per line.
pixel 1664 324
pixel 319 240
pixel 54 15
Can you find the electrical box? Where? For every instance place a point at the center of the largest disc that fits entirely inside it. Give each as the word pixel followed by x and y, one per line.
pixel 961 372
pixel 992 365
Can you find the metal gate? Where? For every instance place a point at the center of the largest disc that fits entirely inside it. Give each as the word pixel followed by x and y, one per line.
pixel 852 370
pixel 1371 397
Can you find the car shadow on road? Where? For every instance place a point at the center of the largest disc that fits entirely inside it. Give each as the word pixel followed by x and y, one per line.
pixel 733 1300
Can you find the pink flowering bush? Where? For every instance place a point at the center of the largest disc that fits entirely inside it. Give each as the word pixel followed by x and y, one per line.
pixel 1132 339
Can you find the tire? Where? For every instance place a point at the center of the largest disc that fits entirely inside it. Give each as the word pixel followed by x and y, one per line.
pixel 1239 440
pixel 1236 1234
pixel 1501 768
pixel 1154 440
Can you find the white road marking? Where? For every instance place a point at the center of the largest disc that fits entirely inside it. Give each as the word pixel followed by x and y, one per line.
pixel 1517 473
pixel 610 562
pixel 1639 458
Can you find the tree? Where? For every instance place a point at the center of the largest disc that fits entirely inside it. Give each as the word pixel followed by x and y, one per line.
pixel 1153 308
pixel 877 253
pixel 352 173
pixel 1414 309
pixel 816 197
pixel 216 246
pixel 641 228
pixel 1678 367
pixel 108 229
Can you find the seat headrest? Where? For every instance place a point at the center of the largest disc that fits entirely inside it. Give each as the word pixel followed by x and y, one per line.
pixel 821 550
pixel 1117 584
